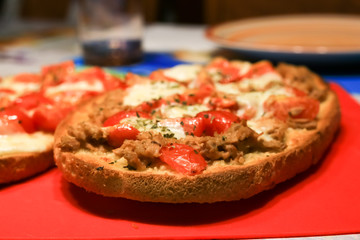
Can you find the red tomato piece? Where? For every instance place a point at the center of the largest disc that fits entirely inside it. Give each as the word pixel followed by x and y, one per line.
pixel 57 73
pixel 193 126
pixel 116 118
pixel 112 82
pixel 27 78
pixel 160 76
pixel 148 106
pixel 195 96
pixel 230 73
pixel 295 91
pixel 183 159
pixel 218 102
pixel 6 91
pixel 217 121
pixel 47 117
pixel 119 133
pixel 60 69
pixel 131 78
pixel 259 69
pixel 295 107
pixel 98 74
pixel 31 100
pixel 13 120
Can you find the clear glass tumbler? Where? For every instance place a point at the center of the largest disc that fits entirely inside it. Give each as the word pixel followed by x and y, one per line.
pixel 110 31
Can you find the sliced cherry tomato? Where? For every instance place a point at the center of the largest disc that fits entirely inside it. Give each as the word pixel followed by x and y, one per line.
pixel 195 96
pixel 47 117
pixel 295 91
pixel 27 78
pixel 57 73
pixel 217 121
pixel 6 91
pixel 217 102
pixel 259 69
pixel 98 74
pixel 159 75
pixel 233 73
pixel 284 107
pixel 230 73
pixel 31 100
pixel 194 126
pixel 119 133
pixel 131 79
pixel 183 159
pixel 13 120
pixel 116 118
pixel 5 97
pixel 148 106
pixel 112 82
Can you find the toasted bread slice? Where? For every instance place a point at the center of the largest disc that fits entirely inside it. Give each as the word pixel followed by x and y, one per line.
pixel 90 167
pixel 24 155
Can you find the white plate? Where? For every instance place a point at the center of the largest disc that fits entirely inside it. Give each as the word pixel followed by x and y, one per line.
pixel 310 38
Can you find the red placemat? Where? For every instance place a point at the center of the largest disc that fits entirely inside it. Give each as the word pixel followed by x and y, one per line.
pixel 322 201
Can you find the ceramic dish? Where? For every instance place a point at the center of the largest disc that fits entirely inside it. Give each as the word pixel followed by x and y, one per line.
pixel 294 38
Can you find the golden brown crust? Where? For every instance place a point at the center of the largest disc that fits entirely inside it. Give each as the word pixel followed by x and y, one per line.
pixel 19 166
pixel 260 172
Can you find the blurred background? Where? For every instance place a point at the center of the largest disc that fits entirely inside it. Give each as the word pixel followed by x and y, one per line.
pixel 24 22
pixel 26 16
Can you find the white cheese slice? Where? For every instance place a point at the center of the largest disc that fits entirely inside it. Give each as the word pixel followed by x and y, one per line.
pixel 94 86
pixel 244 67
pixel 255 100
pixel 18 143
pixel 176 111
pixel 230 88
pixel 260 129
pixel 166 128
pixel 183 72
pixel 260 82
pixel 148 91
pixel 19 87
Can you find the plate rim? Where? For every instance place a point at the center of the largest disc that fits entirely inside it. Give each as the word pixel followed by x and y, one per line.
pixel 210 34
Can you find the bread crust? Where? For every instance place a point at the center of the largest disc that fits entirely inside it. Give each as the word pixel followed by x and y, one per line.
pixel 15 167
pixel 217 183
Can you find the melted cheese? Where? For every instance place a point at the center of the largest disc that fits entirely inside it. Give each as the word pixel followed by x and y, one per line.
pixel 19 87
pixel 255 100
pixel 183 72
pixel 20 143
pixel 175 111
pixel 95 86
pixel 261 82
pixel 168 129
pixel 230 88
pixel 148 91
pixel 260 129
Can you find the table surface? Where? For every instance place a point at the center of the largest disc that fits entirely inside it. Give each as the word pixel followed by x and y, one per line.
pixel 30 57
